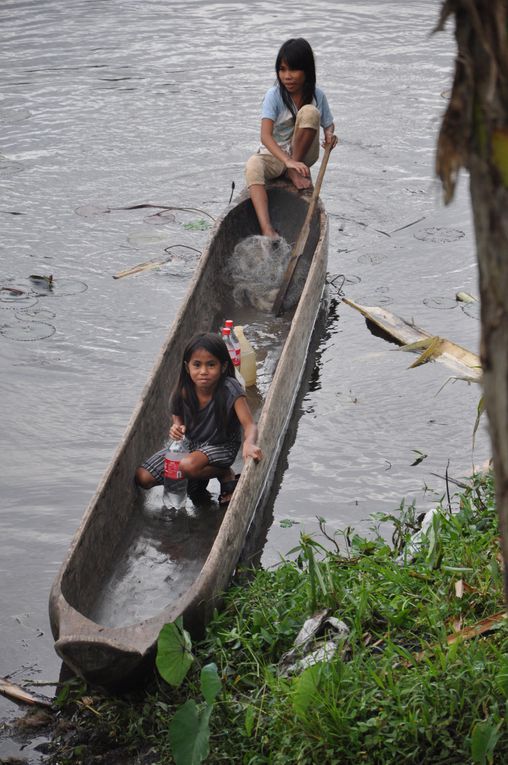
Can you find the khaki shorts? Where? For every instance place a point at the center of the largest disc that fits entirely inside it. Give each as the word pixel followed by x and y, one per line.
pixel 263 167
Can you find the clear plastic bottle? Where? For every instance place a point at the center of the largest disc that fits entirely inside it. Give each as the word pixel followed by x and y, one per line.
pixel 226 336
pixel 234 339
pixel 175 485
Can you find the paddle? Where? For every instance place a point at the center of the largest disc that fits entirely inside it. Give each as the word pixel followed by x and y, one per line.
pixel 303 235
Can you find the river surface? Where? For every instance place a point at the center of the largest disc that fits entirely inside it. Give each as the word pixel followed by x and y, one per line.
pixel 110 104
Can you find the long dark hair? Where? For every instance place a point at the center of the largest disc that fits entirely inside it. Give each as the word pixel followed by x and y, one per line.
pixel 297 54
pixel 184 396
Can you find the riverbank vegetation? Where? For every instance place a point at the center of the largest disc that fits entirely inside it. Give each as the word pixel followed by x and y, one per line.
pixel 413 669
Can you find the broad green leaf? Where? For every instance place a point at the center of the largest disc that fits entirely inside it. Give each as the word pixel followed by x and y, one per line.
pixel 174 655
pixel 502 676
pixel 286 523
pixel 321 581
pixel 210 683
pixel 250 717
pixel 483 741
pixel 189 734
pixel 434 553
pixel 305 689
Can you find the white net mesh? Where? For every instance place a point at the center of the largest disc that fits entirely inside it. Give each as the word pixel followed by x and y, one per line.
pixel 256 269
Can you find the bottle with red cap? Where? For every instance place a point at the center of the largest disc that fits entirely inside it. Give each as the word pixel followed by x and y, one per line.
pixel 234 339
pixel 235 358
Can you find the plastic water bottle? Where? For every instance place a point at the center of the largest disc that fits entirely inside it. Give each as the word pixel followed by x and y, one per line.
pixel 234 339
pixel 226 336
pixel 175 484
pixel 247 358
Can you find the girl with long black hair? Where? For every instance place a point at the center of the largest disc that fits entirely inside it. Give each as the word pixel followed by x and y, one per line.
pixel 292 113
pixel 209 408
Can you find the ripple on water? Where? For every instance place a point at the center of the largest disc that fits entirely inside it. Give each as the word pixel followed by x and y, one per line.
pixel 12 116
pixel 472 310
pixel 438 235
pixel 440 303
pixel 26 331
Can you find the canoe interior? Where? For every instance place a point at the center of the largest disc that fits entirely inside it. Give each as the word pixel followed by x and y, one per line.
pixel 127 562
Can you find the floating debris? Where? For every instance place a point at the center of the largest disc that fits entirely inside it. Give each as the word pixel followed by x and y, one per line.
pixel 465 297
pixel 16 693
pixel 421 456
pixel 413 338
pixel 197 225
pixel 176 260
pixel 12 291
pixel 47 280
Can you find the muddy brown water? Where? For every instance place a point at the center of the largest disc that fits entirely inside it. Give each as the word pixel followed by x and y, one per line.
pixel 108 105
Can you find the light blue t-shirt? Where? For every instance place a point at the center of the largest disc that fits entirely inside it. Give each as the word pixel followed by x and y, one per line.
pixel 275 109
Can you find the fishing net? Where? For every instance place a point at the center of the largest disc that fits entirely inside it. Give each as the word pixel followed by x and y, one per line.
pixel 256 270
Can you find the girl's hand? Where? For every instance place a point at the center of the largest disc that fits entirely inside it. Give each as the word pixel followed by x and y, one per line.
pixel 250 431
pixel 300 167
pixel 251 450
pixel 177 432
pixel 330 138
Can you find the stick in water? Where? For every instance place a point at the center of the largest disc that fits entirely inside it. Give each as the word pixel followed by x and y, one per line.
pixel 150 264
pixel 16 693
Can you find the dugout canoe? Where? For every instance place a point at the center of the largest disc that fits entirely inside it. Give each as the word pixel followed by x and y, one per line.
pixel 113 653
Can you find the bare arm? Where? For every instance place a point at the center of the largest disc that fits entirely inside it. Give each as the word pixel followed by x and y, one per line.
pixel 250 431
pixel 330 136
pixel 273 147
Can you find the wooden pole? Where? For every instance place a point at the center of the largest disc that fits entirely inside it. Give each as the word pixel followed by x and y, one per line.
pixel 303 235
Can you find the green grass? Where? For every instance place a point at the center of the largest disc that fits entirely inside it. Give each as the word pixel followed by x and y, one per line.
pixel 394 692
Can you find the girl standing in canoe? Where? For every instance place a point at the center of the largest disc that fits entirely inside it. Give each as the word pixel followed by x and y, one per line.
pixel 292 112
pixel 209 408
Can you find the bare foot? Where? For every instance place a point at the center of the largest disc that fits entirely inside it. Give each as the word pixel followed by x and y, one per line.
pixel 227 488
pixel 299 181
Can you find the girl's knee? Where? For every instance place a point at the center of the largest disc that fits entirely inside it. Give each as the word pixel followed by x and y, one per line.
pixel 308 117
pixel 255 171
pixel 261 168
pixel 192 465
pixel 144 479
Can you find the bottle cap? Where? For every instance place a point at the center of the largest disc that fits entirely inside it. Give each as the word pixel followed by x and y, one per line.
pixel 229 323
pixel 226 331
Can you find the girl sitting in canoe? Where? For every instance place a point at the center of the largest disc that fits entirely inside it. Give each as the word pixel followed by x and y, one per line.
pixel 292 112
pixel 209 408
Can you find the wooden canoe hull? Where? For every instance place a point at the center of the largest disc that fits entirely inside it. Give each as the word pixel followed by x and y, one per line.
pixel 110 656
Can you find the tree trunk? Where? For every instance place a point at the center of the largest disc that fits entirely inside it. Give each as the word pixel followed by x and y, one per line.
pixel 474 135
